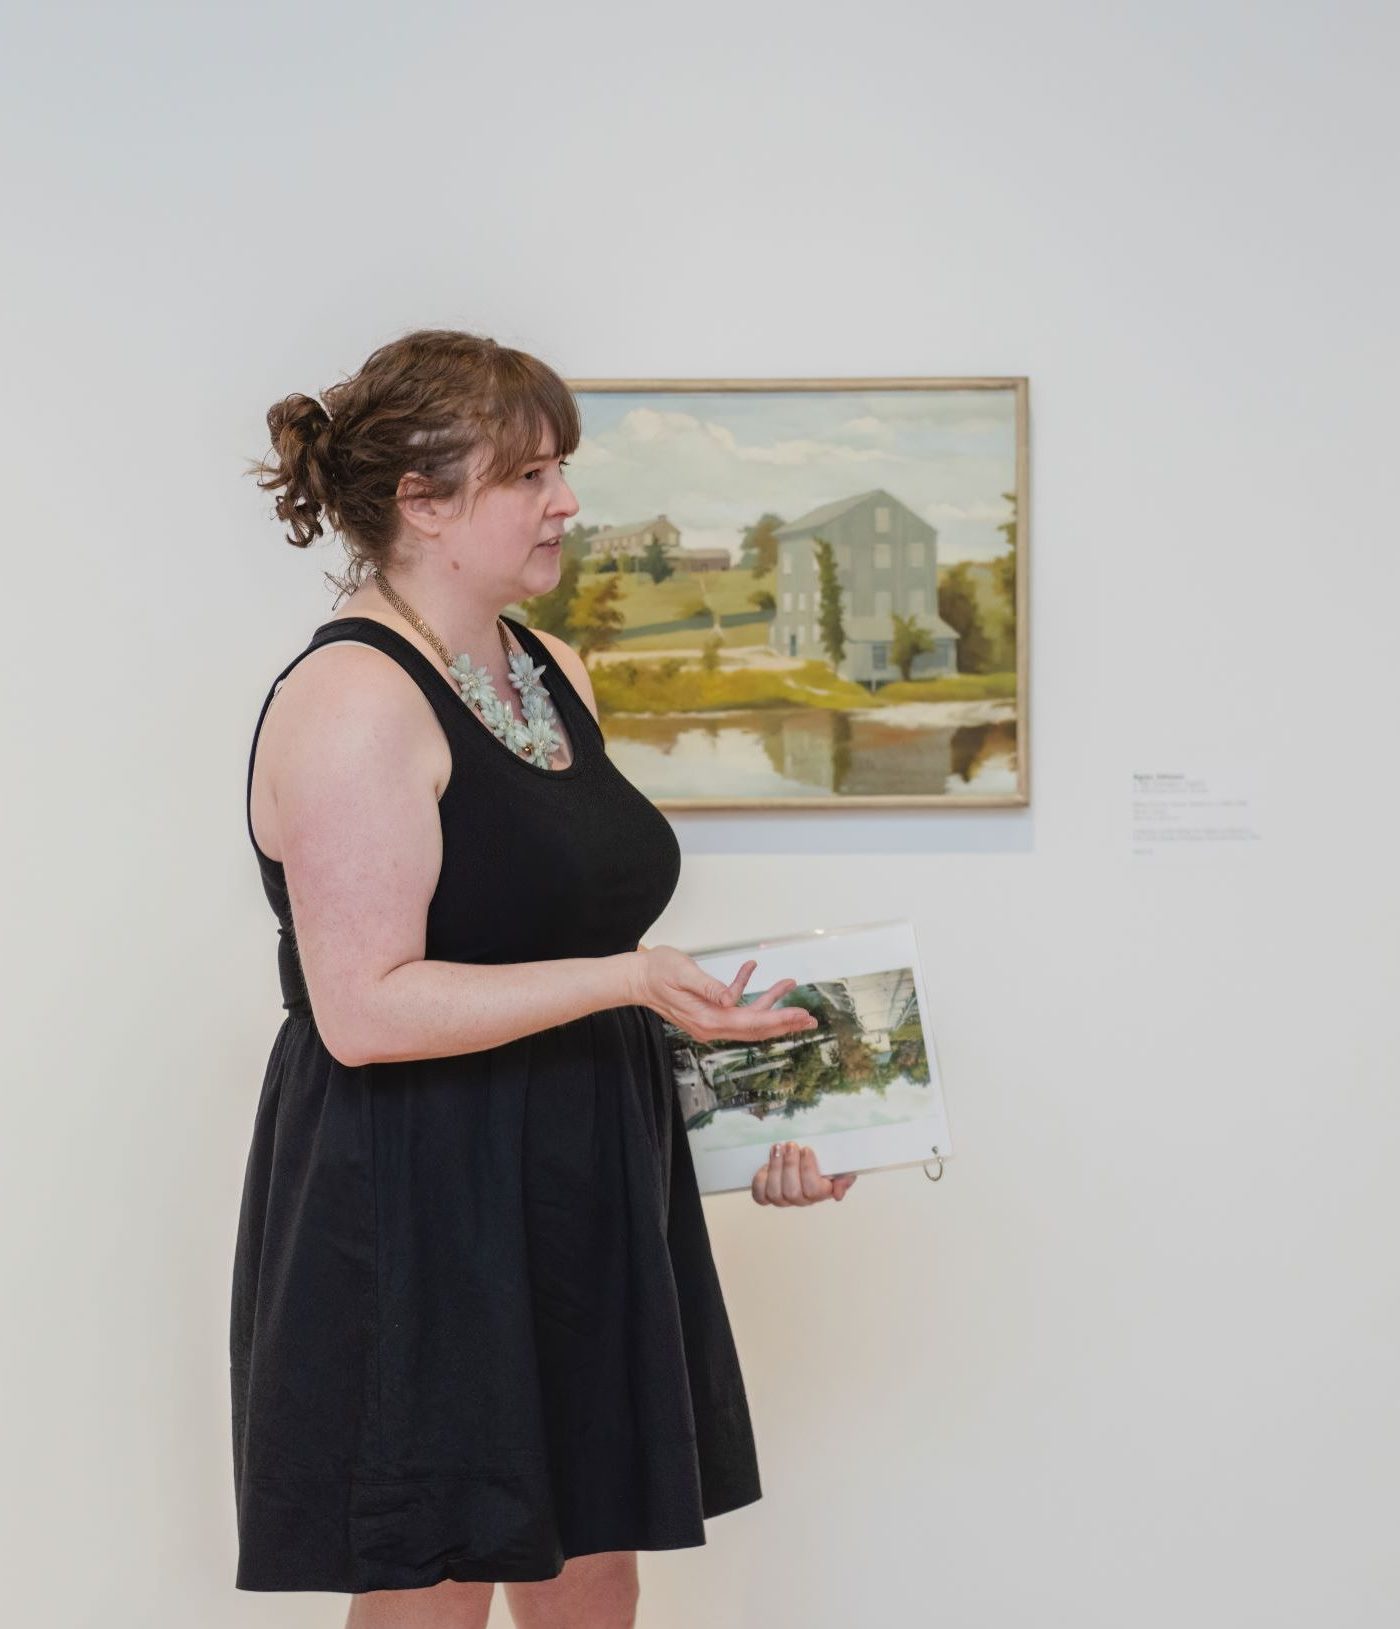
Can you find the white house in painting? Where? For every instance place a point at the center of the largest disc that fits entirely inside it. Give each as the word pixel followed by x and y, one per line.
pixel 700 559
pixel 635 538
pixel 886 562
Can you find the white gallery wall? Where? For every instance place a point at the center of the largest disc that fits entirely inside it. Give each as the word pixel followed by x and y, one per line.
pixel 1133 1361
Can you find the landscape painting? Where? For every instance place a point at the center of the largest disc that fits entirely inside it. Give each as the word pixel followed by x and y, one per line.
pixel 802 593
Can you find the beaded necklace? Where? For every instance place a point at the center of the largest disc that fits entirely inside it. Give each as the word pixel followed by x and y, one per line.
pixel 536 739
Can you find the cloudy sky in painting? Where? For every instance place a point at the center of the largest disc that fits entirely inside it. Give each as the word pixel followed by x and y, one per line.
pixel 715 461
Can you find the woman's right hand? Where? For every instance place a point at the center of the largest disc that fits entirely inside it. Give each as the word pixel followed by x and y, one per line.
pixel 676 986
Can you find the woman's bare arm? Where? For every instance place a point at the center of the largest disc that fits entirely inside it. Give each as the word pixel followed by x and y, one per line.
pixel 437 1009
pixel 361 847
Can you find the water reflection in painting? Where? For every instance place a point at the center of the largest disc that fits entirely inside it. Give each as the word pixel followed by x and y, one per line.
pixel 800 752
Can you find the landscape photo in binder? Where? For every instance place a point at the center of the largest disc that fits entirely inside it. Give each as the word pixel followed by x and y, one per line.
pixel 862 1088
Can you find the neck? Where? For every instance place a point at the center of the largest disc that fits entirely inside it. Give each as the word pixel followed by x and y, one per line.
pixel 461 624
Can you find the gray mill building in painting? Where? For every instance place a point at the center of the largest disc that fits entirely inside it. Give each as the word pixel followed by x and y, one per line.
pixel 886 563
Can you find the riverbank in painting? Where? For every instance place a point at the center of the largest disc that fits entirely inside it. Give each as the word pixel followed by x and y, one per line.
pixel 761 725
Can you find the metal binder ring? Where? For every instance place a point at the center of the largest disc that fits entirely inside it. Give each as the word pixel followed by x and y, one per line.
pixel 939 1164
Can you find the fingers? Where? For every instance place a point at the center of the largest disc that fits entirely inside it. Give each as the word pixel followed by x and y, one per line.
pixel 769 996
pixel 811 1183
pixel 792 1176
pixel 695 996
pixel 772 993
pixel 755 1021
pixel 768 1179
pixel 741 978
pixel 727 995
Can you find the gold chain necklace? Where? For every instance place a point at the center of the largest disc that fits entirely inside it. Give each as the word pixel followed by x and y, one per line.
pixel 536 739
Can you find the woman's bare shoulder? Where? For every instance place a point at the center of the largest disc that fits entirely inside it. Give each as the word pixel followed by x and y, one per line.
pixel 344 669
pixel 359 695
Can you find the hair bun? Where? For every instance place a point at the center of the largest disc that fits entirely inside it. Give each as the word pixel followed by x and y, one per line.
pixel 302 416
pixel 300 430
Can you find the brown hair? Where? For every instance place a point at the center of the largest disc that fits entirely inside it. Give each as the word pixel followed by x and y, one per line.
pixel 422 403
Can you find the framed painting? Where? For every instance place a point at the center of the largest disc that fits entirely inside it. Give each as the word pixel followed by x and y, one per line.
pixel 803 593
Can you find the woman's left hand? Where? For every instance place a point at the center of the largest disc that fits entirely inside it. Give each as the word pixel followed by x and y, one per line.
pixel 791 1177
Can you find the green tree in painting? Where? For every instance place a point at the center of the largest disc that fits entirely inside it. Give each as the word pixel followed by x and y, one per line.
pixel 959 608
pixel 830 625
pixel 1004 566
pixel 910 640
pixel 709 653
pixel 759 549
pixel 1004 577
pixel 550 611
pixel 763 599
pixel 655 563
pixel 578 541
pixel 595 616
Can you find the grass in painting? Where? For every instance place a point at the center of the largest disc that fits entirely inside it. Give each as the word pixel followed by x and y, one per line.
pixel 675 686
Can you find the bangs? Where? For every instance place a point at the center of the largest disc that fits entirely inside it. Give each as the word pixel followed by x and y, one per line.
pixel 529 407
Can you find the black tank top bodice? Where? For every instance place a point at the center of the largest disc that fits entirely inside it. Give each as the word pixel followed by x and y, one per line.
pixel 536 863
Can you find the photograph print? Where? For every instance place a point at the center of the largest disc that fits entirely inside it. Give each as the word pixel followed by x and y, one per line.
pixel 862 1088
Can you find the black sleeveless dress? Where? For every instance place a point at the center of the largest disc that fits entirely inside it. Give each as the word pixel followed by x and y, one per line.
pixel 476 1325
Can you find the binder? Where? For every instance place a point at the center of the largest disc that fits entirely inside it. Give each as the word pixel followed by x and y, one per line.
pixel 863 1089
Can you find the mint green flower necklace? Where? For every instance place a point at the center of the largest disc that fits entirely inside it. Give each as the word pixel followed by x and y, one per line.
pixel 536 739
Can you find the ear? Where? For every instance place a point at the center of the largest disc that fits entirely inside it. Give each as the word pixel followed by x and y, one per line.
pixel 415 506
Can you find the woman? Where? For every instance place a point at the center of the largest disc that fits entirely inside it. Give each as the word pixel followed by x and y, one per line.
pixel 476 1331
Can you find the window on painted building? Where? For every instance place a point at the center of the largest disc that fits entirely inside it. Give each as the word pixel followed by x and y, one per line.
pixel 882 555
pixel 915 599
pixel 884 602
pixel 877 657
pixel 916 554
pixel 787 562
pixel 802 602
pixel 787 599
pixel 882 517
pixel 843 556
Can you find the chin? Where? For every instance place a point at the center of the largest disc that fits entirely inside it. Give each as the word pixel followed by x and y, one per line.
pixel 543 571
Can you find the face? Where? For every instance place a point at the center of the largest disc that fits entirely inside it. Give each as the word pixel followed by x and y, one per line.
pixel 507 536
pixel 504 541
